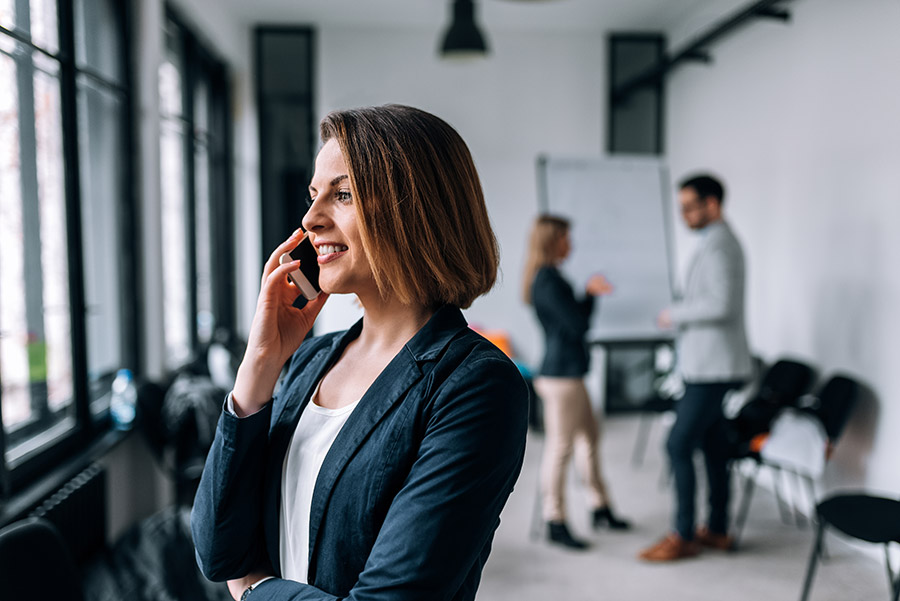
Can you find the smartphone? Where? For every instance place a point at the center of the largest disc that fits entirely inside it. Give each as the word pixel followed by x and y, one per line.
pixel 307 277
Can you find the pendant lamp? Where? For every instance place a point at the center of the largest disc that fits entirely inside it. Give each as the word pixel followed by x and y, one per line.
pixel 463 39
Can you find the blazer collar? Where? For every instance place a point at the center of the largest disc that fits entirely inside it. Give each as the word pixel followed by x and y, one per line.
pixel 714 229
pixel 390 387
pixel 434 336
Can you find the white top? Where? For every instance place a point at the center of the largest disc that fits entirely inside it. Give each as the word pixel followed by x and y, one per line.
pixel 313 437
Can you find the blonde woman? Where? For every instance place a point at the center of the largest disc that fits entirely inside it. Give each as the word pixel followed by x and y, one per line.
pixel 379 469
pixel 569 422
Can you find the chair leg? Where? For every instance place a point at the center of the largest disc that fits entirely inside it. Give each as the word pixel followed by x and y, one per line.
pixel 749 483
pixel 783 508
pixel 640 443
pixel 893 579
pixel 799 518
pixel 811 490
pixel 813 560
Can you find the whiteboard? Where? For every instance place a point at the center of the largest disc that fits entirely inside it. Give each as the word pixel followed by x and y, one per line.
pixel 618 208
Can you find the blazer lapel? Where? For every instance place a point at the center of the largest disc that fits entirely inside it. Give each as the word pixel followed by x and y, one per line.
pixel 388 389
pixel 282 430
pixel 393 383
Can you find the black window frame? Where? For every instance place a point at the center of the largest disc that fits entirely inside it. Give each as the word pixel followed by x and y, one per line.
pixel 87 428
pixel 199 59
pixel 281 213
pixel 654 92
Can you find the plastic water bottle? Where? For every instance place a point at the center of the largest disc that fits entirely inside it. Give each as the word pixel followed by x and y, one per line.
pixel 123 402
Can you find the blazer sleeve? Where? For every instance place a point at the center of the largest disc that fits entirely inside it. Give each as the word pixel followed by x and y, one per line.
pixel 226 519
pixel 719 296
pixel 439 524
pixel 556 300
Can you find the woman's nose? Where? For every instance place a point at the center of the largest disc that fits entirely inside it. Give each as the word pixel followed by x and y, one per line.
pixel 314 218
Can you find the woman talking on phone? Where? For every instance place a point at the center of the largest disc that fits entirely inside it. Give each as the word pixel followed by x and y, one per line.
pixel 379 468
pixel 569 423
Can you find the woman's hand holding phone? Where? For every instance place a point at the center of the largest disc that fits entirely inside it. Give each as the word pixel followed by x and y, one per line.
pixel 277 330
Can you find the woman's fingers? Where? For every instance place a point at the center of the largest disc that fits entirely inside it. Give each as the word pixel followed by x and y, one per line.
pixel 273 261
pixel 278 275
pixel 315 305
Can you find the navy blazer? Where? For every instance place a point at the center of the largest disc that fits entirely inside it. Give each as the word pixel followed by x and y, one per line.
pixel 565 320
pixel 409 495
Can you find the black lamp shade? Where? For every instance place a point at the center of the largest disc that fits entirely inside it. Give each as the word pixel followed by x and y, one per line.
pixel 463 37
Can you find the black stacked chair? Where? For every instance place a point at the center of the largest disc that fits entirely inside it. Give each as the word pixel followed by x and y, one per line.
pixel 35 563
pixel 833 405
pixel 861 516
pixel 178 417
pixel 781 386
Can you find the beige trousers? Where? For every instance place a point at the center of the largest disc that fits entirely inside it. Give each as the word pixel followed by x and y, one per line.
pixel 569 425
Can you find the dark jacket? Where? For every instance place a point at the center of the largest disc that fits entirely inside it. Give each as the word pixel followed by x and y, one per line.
pixel 409 495
pixel 565 320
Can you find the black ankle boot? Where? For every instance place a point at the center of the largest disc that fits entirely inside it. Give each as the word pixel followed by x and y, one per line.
pixel 605 515
pixel 559 533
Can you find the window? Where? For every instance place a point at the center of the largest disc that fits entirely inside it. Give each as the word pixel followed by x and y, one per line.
pixel 64 213
pixel 198 264
pixel 288 132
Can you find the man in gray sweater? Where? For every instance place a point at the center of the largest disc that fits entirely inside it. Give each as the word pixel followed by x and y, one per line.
pixel 713 358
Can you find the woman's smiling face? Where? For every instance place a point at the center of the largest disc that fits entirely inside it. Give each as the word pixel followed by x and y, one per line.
pixel 333 227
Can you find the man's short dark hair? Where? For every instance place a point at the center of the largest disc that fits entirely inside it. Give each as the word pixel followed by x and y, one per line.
pixel 705 186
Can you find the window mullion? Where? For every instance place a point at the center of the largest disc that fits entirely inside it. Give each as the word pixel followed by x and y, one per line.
pixel 68 96
pixel 31 236
pixel 23 16
pixel 129 266
pixel 190 156
pixel 4 469
pixel 220 174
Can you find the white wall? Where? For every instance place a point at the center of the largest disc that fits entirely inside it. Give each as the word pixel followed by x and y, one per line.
pixel 801 120
pixel 536 93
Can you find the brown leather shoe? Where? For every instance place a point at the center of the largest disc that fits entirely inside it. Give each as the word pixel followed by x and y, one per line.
pixel 671 548
pixel 710 539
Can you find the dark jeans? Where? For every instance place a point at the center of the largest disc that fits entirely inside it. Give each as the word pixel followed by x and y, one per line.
pixel 700 423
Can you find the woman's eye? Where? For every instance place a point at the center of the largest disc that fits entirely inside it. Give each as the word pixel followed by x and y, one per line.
pixel 343 196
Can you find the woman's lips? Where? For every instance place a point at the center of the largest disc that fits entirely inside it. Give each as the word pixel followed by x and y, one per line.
pixel 322 259
pixel 329 252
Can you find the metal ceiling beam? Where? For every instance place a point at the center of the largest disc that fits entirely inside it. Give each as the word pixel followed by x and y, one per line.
pixel 697 48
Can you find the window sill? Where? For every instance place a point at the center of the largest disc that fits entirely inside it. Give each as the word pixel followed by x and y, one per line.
pixel 20 503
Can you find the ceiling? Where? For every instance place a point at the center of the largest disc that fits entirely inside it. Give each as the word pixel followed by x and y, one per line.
pixel 494 15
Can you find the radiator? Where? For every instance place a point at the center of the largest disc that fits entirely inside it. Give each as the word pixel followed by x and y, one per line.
pixel 78 510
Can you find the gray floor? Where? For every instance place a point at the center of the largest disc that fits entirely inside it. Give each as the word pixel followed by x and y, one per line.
pixel 770 565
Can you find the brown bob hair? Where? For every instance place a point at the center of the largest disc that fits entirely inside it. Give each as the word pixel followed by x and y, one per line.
pixel 422 218
pixel 546 233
